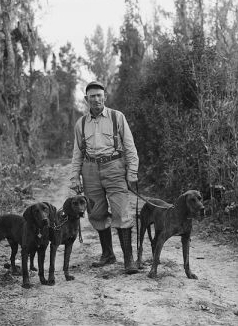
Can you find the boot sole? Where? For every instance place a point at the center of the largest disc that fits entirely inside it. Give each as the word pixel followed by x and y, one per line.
pixel 110 262
pixel 131 271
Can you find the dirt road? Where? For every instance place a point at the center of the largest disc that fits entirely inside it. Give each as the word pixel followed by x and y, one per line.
pixel 106 296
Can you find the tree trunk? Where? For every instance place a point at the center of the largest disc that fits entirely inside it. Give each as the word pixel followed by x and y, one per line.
pixel 10 87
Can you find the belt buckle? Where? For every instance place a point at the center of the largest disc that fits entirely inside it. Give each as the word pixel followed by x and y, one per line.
pixel 102 159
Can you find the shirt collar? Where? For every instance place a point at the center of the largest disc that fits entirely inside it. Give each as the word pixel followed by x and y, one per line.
pixel 104 113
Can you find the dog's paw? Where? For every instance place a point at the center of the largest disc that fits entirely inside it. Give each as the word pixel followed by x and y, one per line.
pixel 152 274
pixel 51 282
pixel 69 277
pixel 43 281
pixel 192 276
pixel 27 285
pixel 33 268
pixel 7 265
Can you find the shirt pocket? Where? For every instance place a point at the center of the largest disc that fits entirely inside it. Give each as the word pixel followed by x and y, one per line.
pixel 89 138
pixel 106 134
pixel 99 137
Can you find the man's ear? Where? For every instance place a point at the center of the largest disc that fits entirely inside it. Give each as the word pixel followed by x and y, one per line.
pixel 86 98
pixel 105 96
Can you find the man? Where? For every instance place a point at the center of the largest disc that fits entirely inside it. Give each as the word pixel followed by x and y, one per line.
pixel 106 158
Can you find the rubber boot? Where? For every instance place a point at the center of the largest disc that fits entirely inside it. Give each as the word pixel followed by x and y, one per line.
pixel 125 241
pixel 108 256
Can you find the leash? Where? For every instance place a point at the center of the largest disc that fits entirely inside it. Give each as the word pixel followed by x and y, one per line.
pixel 79 191
pixel 137 220
pixel 147 201
pixel 59 226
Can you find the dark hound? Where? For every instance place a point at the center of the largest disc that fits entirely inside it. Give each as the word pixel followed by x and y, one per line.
pixel 168 221
pixel 65 232
pixel 11 228
pixel 31 231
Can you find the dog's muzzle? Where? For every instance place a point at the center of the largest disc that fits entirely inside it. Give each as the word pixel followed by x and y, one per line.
pixel 45 222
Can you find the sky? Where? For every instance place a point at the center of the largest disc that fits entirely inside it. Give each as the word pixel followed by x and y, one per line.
pixel 62 21
pixel 72 20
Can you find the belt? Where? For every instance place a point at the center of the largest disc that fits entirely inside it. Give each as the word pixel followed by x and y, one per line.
pixel 103 159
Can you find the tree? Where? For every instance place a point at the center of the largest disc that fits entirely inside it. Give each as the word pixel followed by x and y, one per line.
pixel 131 49
pixel 60 119
pixel 19 47
pixel 102 59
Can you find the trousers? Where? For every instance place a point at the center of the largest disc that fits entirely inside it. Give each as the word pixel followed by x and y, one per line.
pixel 105 185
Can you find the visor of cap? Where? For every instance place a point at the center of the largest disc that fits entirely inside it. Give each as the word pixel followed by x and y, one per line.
pixel 94 84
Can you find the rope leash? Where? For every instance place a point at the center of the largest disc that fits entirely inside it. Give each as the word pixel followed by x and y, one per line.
pixel 145 200
pixel 79 191
pixel 137 220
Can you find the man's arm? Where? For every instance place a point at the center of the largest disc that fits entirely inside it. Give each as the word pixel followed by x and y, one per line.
pixel 131 157
pixel 77 159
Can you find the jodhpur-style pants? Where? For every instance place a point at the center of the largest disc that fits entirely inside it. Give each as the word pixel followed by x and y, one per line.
pixel 105 185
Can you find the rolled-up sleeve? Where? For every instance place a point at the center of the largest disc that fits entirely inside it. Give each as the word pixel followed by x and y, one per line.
pixel 77 159
pixel 129 149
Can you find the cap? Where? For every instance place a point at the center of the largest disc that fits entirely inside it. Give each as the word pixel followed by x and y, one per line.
pixel 94 84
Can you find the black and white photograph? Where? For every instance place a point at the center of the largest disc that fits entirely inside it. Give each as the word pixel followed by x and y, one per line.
pixel 118 162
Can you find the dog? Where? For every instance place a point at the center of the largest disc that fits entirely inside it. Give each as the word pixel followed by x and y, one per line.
pixel 65 232
pixel 11 228
pixel 31 231
pixel 35 238
pixel 168 221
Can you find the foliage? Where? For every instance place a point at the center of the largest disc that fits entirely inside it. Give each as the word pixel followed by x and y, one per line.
pixel 181 102
pixel 131 50
pixel 178 92
pixel 12 178
pixel 58 126
pixel 102 59
pixel 37 110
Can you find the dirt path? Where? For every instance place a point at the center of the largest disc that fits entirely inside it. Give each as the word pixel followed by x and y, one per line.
pixel 106 296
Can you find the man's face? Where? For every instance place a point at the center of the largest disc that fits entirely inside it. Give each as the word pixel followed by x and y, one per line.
pixel 95 98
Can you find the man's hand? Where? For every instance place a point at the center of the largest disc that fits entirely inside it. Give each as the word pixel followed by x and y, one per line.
pixel 132 185
pixel 77 187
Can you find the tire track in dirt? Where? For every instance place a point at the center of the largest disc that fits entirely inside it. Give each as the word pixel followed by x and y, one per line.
pixel 106 296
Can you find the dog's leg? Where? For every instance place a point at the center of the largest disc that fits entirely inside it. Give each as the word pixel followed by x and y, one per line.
pixel 26 281
pixel 152 241
pixel 53 249
pixel 41 259
pixel 14 249
pixel 185 238
pixel 161 238
pixel 140 250
pixel 153 244
pixel 32 256
pixel 67 253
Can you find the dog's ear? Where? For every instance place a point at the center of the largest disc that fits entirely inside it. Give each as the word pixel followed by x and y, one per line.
pixel 52 210
pixel 28 214
pixel 182 203
pixel 90 204
pixel 67 206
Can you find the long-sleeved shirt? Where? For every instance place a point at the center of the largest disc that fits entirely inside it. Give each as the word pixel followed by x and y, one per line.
pixel 100 142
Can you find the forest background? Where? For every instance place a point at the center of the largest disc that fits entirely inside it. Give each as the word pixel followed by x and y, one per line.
pixel 178 91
